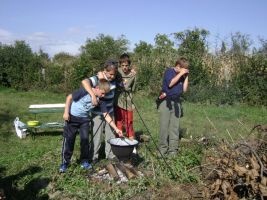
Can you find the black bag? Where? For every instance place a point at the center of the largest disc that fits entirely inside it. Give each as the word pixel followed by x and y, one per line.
pixel 160 98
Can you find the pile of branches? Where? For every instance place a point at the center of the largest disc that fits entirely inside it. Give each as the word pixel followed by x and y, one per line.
pixel 235 171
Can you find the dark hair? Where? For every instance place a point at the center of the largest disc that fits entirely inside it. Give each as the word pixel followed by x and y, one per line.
pixel 182 62
pixel 125 58
pixel 110 65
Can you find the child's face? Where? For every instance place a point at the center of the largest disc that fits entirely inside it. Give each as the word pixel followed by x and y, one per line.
pixel 125 67
pixel 111 74
pixel 99 93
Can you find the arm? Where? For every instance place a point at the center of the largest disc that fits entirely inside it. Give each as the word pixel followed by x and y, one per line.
pixel 66 115
pixel 110 121
pixel 87 86
pixel 175 79
pixel 186 83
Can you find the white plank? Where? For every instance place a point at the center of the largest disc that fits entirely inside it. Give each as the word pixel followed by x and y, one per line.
pixel 58 105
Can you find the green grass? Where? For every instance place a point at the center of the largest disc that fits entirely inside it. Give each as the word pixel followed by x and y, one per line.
pixel 29 167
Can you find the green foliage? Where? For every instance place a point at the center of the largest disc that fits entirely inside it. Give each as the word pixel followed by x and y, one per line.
pixel 20 65
pixel 152 62
pixel 234 74
pixel 225 93
pixel 60 72
pixel 240 44
pixel 192 44
pixel 252 80
pixel 96 51
pixel 142 50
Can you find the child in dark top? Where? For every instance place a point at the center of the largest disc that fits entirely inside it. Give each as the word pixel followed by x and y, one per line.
pixel 76 116
pixel 175 82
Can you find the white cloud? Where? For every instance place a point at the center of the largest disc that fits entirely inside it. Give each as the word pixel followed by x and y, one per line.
pixel 38 37
pixel 61 46
pixel 46 42
pixel 51 45
pixel 5 36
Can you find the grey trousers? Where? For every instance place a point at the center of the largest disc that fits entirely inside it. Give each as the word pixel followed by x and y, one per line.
pixel 169 128
pixel 99 127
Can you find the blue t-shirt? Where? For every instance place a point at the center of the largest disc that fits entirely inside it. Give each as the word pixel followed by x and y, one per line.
pixel 106 102
pixel 176 89
pixel 82 107
pixel 82 104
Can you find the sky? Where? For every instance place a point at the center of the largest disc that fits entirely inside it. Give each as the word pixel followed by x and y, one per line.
pixel 64 25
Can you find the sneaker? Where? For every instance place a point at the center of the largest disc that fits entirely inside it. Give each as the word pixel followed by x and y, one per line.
pixel 63 167
pixel 86 165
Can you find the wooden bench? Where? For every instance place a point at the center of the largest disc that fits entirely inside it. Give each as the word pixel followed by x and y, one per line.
pixel 46 108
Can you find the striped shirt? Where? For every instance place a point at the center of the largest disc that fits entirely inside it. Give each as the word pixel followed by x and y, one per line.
pixel 108 99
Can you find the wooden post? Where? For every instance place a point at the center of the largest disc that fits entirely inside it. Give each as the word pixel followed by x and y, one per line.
pixel 112 172
pixel 125 171
pixel 131 169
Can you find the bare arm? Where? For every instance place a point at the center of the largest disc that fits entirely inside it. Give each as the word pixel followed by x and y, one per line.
pixel 186 83
pixel 87 86
pixel 110 121
pixel 66 115
pixel 178 76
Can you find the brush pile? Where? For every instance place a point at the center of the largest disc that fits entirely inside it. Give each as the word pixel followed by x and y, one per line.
pixel 235 171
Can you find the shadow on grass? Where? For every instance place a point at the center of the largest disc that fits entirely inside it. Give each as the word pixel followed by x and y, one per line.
pixel 6 117
pixel 42 133
pixel 31 188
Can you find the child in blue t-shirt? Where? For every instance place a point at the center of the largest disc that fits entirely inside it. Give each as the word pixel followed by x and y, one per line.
pixel 76 116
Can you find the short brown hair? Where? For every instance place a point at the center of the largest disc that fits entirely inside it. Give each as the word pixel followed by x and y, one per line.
pixel 183 62
pixel 103 84
pixel 125 58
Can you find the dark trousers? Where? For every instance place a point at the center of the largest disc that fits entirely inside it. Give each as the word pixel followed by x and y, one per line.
pixel 69 134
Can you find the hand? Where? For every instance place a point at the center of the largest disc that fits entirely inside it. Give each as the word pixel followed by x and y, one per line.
pixel 119 132
pixel 184 71
pixel 131 138
pixel 133 71
pixel 66 116
pixel 94 100
pixel 100 75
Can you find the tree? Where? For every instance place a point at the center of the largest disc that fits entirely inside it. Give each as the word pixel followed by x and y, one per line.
pixel 240 44
pixel 19 64
pixel 193 45
pixel 96 51
pixel 164 50
pixel 143 49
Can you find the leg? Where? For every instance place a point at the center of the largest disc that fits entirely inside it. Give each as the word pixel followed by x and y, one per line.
pixel 97 132
pixel 108 135
pixel 174 131
pixel 84 141
pixel 164 126
pixel 129 124
pixel 69 135
pixel 119 117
